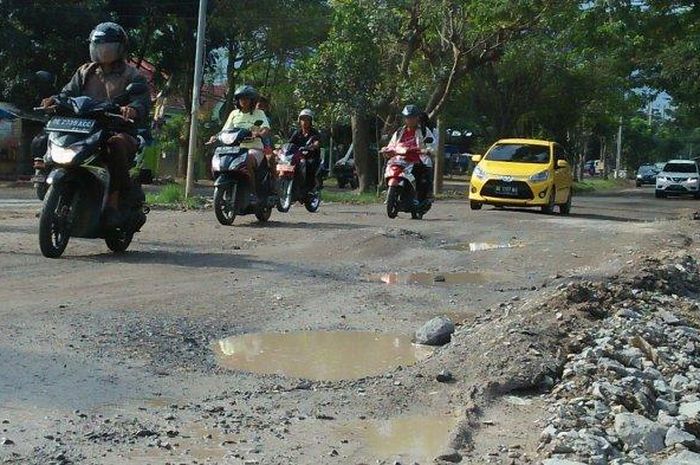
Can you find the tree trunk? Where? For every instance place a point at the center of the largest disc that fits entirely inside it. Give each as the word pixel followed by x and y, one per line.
pixel 360 147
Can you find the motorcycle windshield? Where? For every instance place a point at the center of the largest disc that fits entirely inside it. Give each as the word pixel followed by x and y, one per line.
pixel 86 105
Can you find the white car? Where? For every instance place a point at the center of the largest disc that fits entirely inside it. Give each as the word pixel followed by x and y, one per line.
pixel 678 177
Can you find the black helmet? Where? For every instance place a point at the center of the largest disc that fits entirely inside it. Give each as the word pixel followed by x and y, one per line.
pixel 410 111
pixel 108 42
pixel 246 91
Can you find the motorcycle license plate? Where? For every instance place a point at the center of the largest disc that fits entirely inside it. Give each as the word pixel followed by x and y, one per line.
pixel 285 168
pixel 507 190
pixel 68 124
pixel 228 150
pixel 39 178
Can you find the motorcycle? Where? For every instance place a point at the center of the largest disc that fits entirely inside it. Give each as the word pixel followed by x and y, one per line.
pixel 78 184
pixel 233 186
pixel 292 167
pixel 403 194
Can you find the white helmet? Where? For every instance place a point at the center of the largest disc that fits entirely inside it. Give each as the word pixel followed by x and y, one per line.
pixel 306 113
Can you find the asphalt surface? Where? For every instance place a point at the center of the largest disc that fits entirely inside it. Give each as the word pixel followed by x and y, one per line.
pixel 107 334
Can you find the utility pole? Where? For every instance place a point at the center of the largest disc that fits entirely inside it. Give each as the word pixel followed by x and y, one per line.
pixel 198 72
pixel 439 156
pixel 618 158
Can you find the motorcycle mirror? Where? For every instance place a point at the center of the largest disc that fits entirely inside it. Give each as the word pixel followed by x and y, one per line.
pixel 45 82
pixel 428 140
pixel 136 88
pixel 384 139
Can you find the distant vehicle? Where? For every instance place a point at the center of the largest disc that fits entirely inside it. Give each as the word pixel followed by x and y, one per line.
pixel 678 177
pixel 345 172
pixel 459 163
pixel 646 174
pixel 523 173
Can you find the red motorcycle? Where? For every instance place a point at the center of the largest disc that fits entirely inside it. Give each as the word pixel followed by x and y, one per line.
pixel 403 194
pixel 292 172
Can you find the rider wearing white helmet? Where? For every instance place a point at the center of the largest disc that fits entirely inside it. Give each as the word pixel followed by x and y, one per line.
pixel 308 136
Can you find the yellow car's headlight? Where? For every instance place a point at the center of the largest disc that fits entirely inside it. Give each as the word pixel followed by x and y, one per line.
pixel 539 177
pixel 479 173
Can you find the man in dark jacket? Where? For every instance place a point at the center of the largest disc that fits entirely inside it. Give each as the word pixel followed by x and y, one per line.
pixel 105 78
pixel 308 136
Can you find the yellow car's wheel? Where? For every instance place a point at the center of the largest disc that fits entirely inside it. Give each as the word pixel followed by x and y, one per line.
pixel 549 208
pixel 565 208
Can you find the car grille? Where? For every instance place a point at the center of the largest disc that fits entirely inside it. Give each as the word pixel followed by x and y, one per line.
pixel 508 190
pixel 676 188
pixel 679 179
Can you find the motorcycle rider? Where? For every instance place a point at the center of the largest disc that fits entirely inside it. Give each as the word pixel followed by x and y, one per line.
pixel 244 116
pixel 308 136
pixel 412 135
pixel 104 78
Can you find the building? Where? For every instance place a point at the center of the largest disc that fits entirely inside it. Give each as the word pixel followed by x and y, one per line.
pixel 17 129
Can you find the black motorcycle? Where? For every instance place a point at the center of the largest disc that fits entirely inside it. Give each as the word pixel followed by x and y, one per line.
pixel 79 181
pixel 233 186
pixel 292 173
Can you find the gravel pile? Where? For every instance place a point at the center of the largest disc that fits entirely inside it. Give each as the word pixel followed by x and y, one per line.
pixel 631 395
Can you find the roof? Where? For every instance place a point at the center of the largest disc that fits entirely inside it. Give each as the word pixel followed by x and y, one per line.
pixel 525 141
pixel 681 161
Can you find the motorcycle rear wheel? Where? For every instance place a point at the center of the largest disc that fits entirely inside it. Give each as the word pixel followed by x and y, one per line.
pixel 263 214
pixel 313 202
pixel 118 241
pixel 225 204
pixel 54 226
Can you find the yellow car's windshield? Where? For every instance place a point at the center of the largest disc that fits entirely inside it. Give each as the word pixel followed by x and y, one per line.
pixel 519 153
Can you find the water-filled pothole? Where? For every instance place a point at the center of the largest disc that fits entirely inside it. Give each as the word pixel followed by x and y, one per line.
pixel 433 279
pixel 483 246
pixel 319 355
pixel 413 438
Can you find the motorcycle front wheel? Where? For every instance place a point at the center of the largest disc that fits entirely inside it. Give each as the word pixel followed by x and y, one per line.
pixel 263 214
pixel 285 188
pixel 392 202
pixel 54 222
pixel 225 204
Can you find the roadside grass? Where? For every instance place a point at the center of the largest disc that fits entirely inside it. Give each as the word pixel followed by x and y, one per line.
pixel 598 185
pixel 173 196
pixel 350 197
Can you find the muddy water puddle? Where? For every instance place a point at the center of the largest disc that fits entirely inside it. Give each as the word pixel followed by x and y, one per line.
pixel 434 279
pixel 319 355
pixel 483 246
pixel 412 438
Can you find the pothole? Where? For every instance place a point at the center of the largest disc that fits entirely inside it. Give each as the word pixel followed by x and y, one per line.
pixel 434 279
pixel 412 438
pixel 483 246
pixel 319 355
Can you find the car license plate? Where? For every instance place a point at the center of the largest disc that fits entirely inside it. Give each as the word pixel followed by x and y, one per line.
pixel 228 150
pixel 507 190
pixel 67 124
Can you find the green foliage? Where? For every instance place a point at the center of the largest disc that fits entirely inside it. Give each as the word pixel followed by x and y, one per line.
pixel 173 195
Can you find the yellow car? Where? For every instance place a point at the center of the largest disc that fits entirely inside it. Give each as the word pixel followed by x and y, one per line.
pixel 522 173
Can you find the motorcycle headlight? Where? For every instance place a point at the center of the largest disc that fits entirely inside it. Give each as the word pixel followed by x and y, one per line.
pixel 216 163
pixel 539 177
pixel 639 176
pixel 62 155
pixel 479 173
pixel 227 138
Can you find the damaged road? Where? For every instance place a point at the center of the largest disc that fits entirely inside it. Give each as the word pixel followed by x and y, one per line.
pixel 113 359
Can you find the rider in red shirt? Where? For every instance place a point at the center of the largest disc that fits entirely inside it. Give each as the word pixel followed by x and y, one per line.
pixel 412 136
